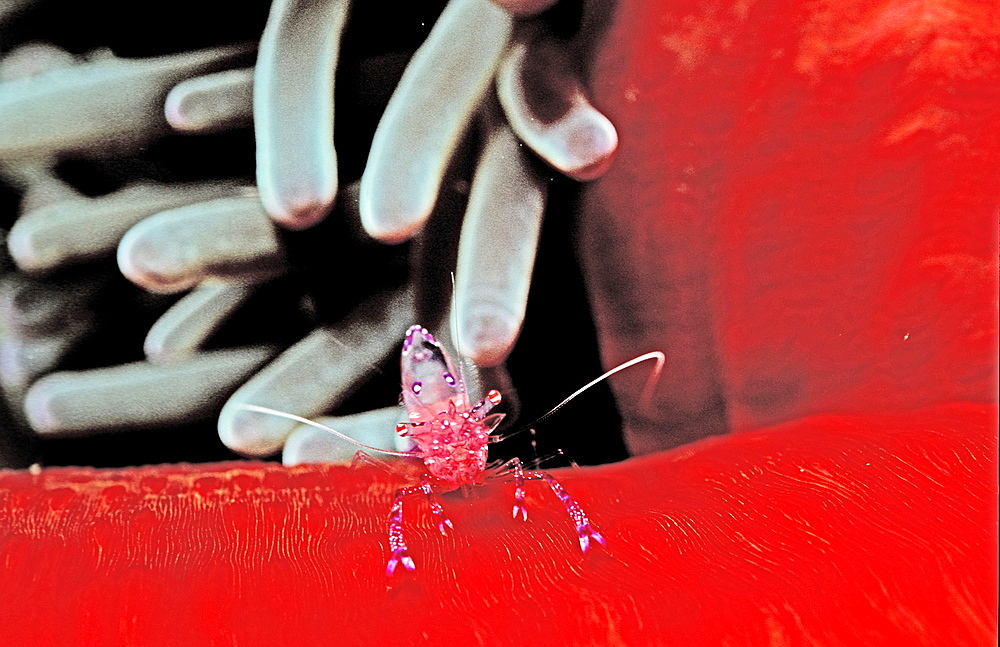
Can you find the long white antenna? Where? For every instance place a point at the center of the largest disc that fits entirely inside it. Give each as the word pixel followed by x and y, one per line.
pixel 646 392
pixel 313 423
pixel 455 338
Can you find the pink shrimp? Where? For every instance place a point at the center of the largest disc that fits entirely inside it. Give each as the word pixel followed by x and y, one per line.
pixel 452 436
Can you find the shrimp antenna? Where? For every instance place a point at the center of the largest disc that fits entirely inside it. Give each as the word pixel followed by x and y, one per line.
pixel 455 336
pixel 313 423
pixel 647 391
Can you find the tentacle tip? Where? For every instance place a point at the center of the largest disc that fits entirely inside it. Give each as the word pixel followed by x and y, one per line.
pixel 297 204
pixel 28 252
pixel 593 170
pixel 489 332
pixel 524 7
pixel 391 223
pixel 40 407
pixel 146 257
pixel 298 220
pixel 242 429
pixel 179 111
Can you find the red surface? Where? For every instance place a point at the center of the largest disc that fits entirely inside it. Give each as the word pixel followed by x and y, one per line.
pixel 803 216
pixel 869 530
pixel 804 209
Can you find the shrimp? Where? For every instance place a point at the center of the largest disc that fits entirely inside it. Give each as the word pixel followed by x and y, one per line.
pixel 452 436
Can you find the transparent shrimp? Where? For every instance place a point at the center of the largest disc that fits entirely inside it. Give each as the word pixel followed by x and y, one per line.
pixel 452 435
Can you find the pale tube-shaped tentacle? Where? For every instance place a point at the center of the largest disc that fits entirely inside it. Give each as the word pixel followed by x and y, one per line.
pixel 212 102
pixel 10 8
pixel 108 103
pixel 40 323
pixel 524 7
pixel 23 358
pixel 83 229
pixel 426 116
pixel 33 58
pixel 497 250
pixel 314 375
pixel 306 444
pixel 33 176
pixel 47 189
pixel 547 107
pixel 37 182
pixel 140 394
pixel 293 109
pixel 224 238
pixel 31 307
pixel 180 331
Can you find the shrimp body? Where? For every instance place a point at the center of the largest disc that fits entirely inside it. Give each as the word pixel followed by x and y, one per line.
pixel 453 447
pixel 452 437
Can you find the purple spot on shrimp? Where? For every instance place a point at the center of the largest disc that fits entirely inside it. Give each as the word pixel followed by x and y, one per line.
pixel 449 378
pixel 408 339
pixel 416 387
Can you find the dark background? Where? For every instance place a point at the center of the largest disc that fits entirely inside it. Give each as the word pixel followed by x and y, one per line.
pixel 556 352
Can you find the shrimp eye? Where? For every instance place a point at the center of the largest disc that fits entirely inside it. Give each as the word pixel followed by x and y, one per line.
pixel 449 378
pixel 417 387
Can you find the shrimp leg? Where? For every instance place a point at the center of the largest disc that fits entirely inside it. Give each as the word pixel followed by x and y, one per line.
pixel 397 543
pixel 584 530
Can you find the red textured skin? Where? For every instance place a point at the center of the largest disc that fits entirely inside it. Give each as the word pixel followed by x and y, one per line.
pixel 867 530
pixel 803 210
pixel 800 187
